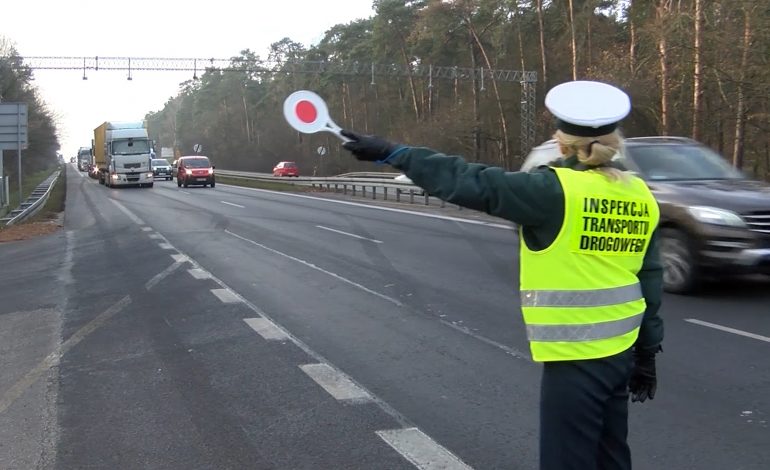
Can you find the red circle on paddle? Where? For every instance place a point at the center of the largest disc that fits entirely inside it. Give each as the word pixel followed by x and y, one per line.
pixel 306 112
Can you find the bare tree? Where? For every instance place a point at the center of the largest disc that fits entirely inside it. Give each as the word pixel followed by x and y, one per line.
pixel 662 10
pixel 572 35
pixel 697 79
pixel 740 111
pixel 541 29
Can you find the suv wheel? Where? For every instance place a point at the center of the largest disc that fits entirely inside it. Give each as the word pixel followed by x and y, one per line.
pixel 679 271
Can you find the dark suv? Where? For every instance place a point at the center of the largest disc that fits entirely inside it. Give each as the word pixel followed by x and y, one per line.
pixel 714 220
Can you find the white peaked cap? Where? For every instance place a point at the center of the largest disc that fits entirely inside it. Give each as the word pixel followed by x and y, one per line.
pixel 587 108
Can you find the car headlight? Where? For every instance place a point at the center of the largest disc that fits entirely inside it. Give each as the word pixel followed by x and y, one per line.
pixel 188 172
pixel 716 216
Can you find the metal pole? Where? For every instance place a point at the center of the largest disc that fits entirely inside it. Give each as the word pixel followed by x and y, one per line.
pixel 18 145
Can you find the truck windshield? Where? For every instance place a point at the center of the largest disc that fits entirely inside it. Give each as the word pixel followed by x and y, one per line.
pixel 130 147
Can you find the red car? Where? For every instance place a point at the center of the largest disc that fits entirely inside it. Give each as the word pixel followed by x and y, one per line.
pixel 194 170
pixel 286 169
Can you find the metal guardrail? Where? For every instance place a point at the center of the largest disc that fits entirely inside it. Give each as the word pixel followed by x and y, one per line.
pixel 34 202
pixel 362 183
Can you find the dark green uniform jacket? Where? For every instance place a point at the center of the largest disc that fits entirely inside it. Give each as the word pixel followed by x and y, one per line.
pixel 533 200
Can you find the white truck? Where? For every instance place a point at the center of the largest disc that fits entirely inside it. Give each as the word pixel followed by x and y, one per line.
pixel 122 154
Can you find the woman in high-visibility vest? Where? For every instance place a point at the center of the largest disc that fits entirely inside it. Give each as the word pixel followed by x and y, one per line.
pixel 590 279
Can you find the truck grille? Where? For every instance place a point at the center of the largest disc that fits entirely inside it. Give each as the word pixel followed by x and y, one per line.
pixel 758 221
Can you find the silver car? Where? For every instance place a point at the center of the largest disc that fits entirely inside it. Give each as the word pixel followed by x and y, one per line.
pixel 161 169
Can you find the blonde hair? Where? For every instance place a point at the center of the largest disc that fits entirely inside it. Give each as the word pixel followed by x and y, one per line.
pixel 593 151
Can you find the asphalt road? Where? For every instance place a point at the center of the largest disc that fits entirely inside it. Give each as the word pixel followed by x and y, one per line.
pixel 239 328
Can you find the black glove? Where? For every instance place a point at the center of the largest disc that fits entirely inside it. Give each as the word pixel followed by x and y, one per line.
pixel 369 148
pixel 644 380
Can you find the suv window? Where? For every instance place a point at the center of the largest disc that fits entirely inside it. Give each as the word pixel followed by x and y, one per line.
pixel 680 162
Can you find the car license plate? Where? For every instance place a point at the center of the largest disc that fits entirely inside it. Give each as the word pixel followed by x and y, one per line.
pixel 200 179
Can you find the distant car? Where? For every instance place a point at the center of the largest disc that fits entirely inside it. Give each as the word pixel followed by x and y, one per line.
pixel 196 170
pixel 713 219
pixel 161 169
pixel 286 169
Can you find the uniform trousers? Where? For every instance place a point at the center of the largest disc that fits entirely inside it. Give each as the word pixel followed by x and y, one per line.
pixel 584 414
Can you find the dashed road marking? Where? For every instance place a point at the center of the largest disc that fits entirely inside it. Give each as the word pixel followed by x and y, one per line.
pixel 234 205
pixel 156 236
pixel 728 329
pixel 199 273
pixel 166 246
pixel 266 329
pixel 337 384
pixel 313 266
pixel 381 208
pixel 147 229
pixel 421 450
pixel 226 295
pixel 348 234
pixel 180 258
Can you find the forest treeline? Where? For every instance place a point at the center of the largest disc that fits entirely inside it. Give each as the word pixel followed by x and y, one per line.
pixel 695 68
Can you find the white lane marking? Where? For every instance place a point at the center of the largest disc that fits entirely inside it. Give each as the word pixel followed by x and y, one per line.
pixel 199 273
pixel 312 266
pixel 179 258
pixel 513 352
pixel 421 450
pixel 130 214
pixel 166 246
pixel 335 382
pixel 162 275
pixel 266 329
pixel 348 234
pixel 226 296
pixel 728 329
pixel 392 412
pixel 53 359
pixel 147 229
pixel 234 205
pixel 389 209
pixel 156 236
pixel 183 192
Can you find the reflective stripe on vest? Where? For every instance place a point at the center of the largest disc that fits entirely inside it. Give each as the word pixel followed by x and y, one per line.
pixel 581 298
pixel 587 332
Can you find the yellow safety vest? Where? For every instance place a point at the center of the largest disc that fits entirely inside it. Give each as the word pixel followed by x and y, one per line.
pixel 580 297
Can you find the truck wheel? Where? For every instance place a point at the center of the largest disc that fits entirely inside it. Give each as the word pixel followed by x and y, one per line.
pixel 150 185
pixel 680 274
pixel 178 183
pixel 185 184
pixel 212 183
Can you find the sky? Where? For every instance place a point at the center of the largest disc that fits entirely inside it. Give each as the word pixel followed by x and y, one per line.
pixel 150 28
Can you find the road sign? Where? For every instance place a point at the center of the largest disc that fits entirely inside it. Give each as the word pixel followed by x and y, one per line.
pixel 321 151
pixel 197 148
pixel 13 126
pixel 306 112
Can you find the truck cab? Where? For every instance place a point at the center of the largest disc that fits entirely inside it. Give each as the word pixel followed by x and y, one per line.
pixel 123 152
